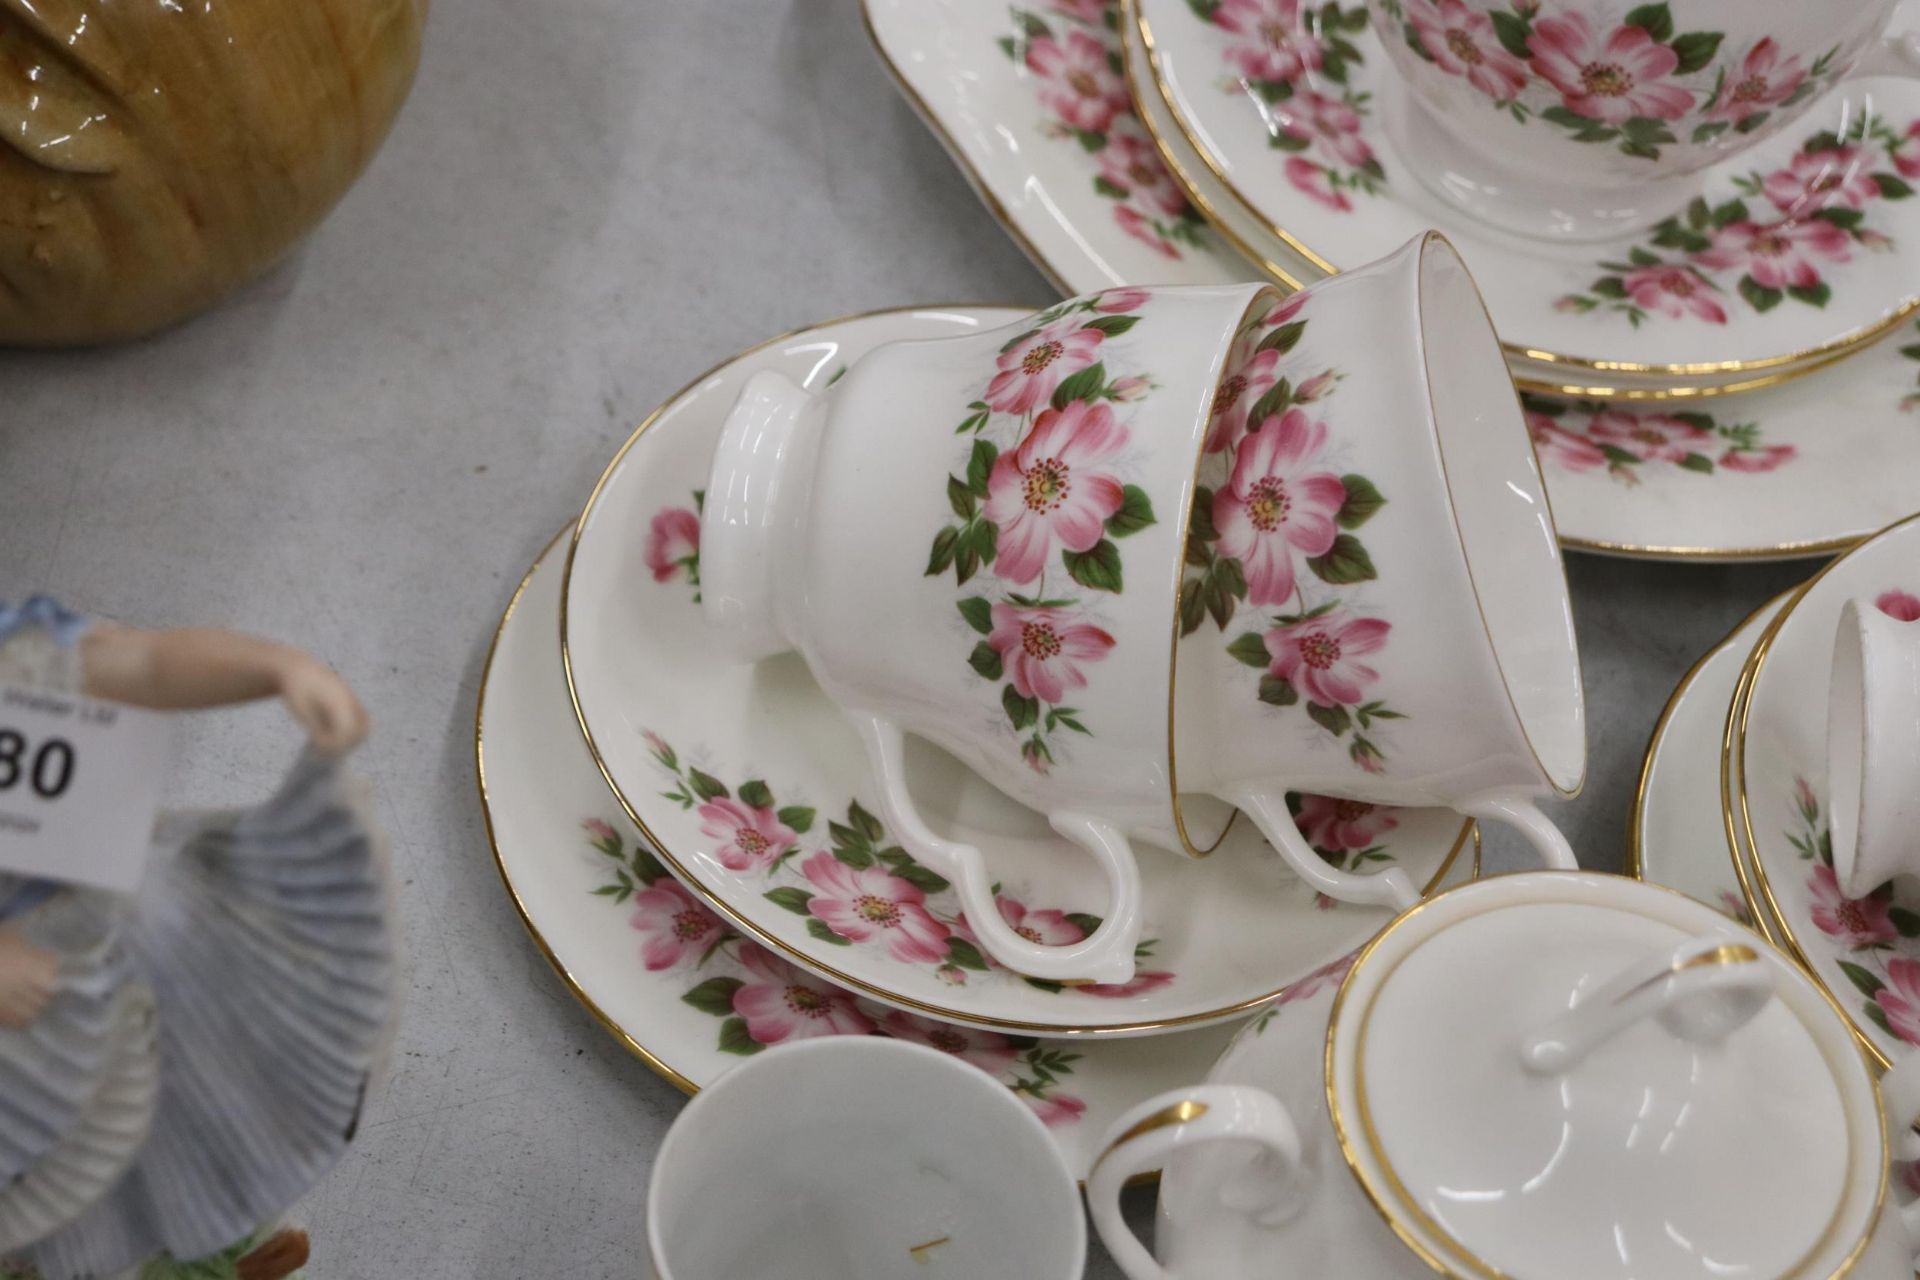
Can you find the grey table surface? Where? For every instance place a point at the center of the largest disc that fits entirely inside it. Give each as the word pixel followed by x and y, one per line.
pixel 584 205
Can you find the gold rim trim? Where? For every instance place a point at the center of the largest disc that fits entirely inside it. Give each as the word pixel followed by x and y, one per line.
pixel 1732 555
pixel 1637 816
pixel 1477 1267
pixel 1178 1113
pixel 658 1064
pixel 748 927
pixel 1736 800
pixel 1815 357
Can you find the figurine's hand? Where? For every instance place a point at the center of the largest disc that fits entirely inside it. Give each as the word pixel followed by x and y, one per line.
pixel 323 704
pixel 28 977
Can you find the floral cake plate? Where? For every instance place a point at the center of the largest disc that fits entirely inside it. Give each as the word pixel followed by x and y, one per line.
pixel 754 791
pixel 1866 951
pixel 1801 249
pixel 670 979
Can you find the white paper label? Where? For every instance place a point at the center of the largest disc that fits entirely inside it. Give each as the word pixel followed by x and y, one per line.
pixel 79 786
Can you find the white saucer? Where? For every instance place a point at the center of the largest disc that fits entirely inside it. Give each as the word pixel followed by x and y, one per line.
pixel 1866 952
pixel 1340 195
pixel 672 723
pixel 577 872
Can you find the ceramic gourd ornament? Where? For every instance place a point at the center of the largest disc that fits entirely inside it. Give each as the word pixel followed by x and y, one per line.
pixel 154 156
pixel 180 1064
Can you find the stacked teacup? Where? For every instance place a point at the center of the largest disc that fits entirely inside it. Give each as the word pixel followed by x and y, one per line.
pixel 1191 550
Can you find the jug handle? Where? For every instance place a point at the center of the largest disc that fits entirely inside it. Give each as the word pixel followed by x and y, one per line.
pixel 1104 956
pixel 1148 1136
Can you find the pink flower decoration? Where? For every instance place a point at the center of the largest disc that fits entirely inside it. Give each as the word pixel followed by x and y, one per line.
pixel 1835 177
pixel 1462 43
pixel 1048 489
pixel 1130 388
pixel 778 1002
pixel 1034 364
pixel 1289 307
pixel 1763 81
pixel 1569 449
pixel 1316 387
pixel 1319 980
pixel 1055 1109
pixel 1321 656
pixel 1043 649
pixel 602 832
pixel 1151 980
pixel 1900 998
pixel 672 924
pixel 1910 1176
pixel 863 904
pixel 1130 163
pixel 1250 374
pixel 1275 504
pixel 1141 228
pixel 1275 45
pixel 1113 302
pixel 1859 922
pixel 988 1050
pixel 673 540
pixel 1769 457
pixel 1899 605
pixel 749 838
pixel 1780 255
pixel 1803 796
pixel 1734 905
pixel 1331 123
pixel 1614 79
pixel 1313 180
pixel 657 745
pixel 1654 437
pixel 1079 84
pixel 1045 928
pixel 1906 152
pixel 1670 289
pixel 1091 11
pixel 1341 826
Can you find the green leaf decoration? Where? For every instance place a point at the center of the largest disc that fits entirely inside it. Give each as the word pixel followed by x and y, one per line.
pixel 1564 116
pixel 1814 295
pixel 858 856
pixel 1084 921
pixel 1512 30
pixel 705 785
pixel 1878 1016
pixel 1333 719
pixel 1363 501
pixel 979 465
pixel 817 928
pixel 796 816
pixel 965 954
pixel 865 823
pixel 790 898
pixel 1892 186
pixel 1285 338
pixel 942 556
pixel 1697 462
pixel 1642 258
pixel 1845 219
pixel 985 659
pixel 755 793
pixel 1087 384
pixel 845 837
pixel 714 996
pixel 1098 569
pixel 1654 19
pixel 966 558
pixel 959 497
pixel 920 877
pixel 1284 141
pixel 1135 513
pixel 1276 691
pixel 647 868
pixel 1109 189
pixel 1344 563
pixel 1200 520
pixel 972 422
pixel 735 1040
pixel 1219 597
pixel 1193 606
pixel 1907 922
pixel 1870 985
pixel 1758 296
pixel 1227 573
pixel 1278 399
pixel 1251 648
pixel 1696 50
pixel 1112 326
pixel 1608 287
pixel 1709 131
pixel 1021 711
pixel 978 612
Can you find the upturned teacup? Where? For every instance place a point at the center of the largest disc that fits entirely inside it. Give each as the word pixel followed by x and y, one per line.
pixel 1873 743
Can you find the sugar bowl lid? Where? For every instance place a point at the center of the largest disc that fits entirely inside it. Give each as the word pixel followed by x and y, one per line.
pixel 1581 1077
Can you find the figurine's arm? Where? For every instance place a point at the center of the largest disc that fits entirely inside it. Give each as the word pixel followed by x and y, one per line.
pixel 197 667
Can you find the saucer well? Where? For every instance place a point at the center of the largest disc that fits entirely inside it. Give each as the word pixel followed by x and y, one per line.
pixel 753 789
pixel 1763 276
pixel 1866 951
pixel 680 989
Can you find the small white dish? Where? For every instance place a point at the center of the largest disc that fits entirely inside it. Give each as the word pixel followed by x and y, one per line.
pixel 1873 748
pixel 672 722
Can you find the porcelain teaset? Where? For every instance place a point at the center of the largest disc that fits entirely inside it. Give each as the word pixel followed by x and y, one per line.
pixel 938 687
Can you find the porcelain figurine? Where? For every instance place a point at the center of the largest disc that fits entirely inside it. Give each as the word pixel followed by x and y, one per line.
pixel 179 1065
pixel 155 156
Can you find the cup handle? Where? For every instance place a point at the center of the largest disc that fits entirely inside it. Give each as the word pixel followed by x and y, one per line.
pixel 1900 1099
pixel 1267 806
pixel 1146 1138
pixel 1897 54
pixel 1105 955
pixel 1524 816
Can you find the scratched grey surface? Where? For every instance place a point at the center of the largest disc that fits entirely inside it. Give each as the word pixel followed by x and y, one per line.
pixel 580 209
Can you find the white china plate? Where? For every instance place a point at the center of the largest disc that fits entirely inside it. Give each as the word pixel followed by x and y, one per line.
pixel 1866 952
pixel 1543 297
pixel 671 723
pixel 575 869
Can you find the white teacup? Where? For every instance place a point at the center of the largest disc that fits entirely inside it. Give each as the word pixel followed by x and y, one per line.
pixel 1873 748
pixel 1569 120
pixel 861 1156
pixel 1562 1074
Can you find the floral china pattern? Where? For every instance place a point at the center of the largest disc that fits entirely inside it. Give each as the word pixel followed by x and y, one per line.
pixel 1777 237
pixel 1587 436
pixel 761 1000
pixel 1074 62
pixel 673 544
pixel 1039 508
pixel 1273 552
pixel 1292 59
pixel 1636 86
